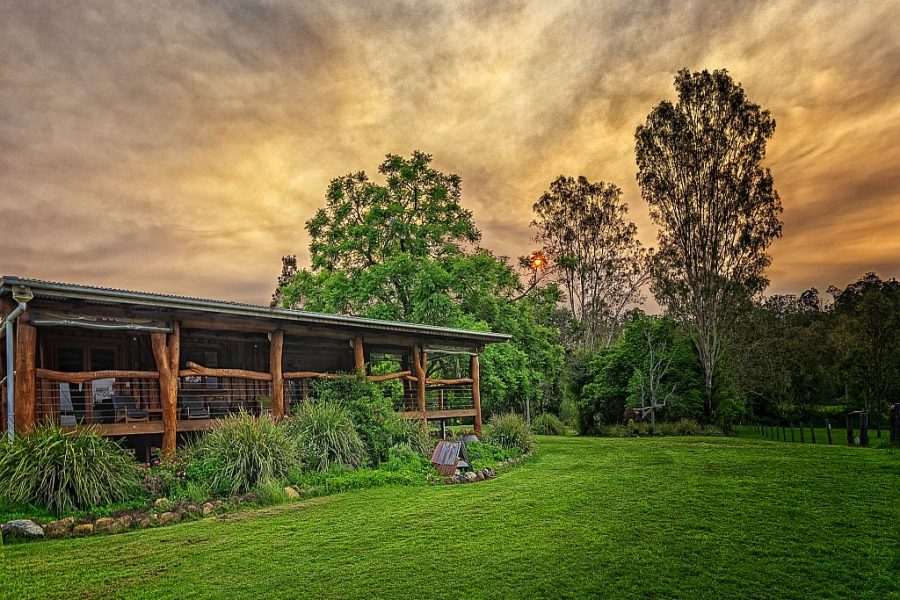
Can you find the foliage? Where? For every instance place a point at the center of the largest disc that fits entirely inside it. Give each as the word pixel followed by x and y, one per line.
pixel 66 470
pixel 666 428
pixel 326 437
pixel 403 250
pixel 548 424
pixel 510 431
pixel 244 451
pixel 270 493
pixel 485 454
pixel 606 385
pixel 700 170
pixel 372 415
pixel 594 252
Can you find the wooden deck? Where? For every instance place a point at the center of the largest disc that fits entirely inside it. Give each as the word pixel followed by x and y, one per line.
pixel 148 427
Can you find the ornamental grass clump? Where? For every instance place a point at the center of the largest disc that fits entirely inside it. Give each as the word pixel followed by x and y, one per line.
pixel 510 431
pixel 548 424
pixel 66 471
pixel 251 451
pixel 325 437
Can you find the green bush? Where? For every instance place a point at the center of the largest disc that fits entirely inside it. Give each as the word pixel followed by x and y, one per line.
pixel 251 450
pixel 402 457
pixel 67 470
pixel 687 427
pixel 270 493
pixel 548 424
pixel 326 437
pixel 484 454
pixel 510 431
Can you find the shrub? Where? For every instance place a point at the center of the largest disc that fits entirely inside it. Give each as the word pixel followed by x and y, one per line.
pixel 326 437
pixel 251 450
pixel 67 470
pixel 510 431
pixel 372 414
pixel 548 424
pixel 687 427
pixel 402 457
pixel 271 492
pixel 484 454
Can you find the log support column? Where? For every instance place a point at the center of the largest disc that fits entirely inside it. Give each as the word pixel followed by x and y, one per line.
pixel 420 359
pixel 25 393
pixel 166 352
pixel 476 392
pixel 359 356
pixel 276 351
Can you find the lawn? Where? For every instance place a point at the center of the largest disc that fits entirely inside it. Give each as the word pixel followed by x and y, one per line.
pixel 650 517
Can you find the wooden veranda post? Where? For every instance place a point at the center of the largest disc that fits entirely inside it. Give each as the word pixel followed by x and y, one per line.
pixel 276 350
pixel 476 392
pixel 166 353
pixel 25 384
pixel 419 361
pixel 359 356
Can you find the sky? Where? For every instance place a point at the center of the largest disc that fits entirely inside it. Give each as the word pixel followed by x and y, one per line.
pixel 180 147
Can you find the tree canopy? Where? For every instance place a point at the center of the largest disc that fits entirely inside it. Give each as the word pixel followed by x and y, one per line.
pixel 700 170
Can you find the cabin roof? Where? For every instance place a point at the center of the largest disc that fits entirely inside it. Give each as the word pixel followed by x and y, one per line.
pixel 110 296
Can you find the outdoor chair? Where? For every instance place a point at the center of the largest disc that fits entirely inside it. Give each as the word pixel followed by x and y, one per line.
pixel 193 407
pixel 126 411
pixel 66 409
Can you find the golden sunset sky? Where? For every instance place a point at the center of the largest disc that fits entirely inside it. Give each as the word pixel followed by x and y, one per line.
pixel 180 147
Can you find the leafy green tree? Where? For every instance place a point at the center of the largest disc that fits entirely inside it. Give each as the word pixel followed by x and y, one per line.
pixel 594 251
pixel 404 250
pixel 610 382
pixel 700 170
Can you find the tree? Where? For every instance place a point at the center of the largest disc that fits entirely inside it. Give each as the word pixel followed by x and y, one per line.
pixel 404 250
pixel 609 382
pixel 700 171
pixel 594 251
pixel 869 309
pixel 372 238
pixel 649 384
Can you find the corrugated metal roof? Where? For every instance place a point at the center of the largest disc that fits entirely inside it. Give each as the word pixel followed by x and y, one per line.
pixel 51 289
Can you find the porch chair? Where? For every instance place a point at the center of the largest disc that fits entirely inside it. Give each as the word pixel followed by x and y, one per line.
pixel 126 411
pixel 66 409
pixel 193 407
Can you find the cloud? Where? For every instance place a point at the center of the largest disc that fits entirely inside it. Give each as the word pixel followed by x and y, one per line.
pixel 180 147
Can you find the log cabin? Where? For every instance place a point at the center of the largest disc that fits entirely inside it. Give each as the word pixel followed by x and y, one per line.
pixel 155 368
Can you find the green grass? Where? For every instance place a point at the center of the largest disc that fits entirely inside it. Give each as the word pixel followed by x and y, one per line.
pixel 639 518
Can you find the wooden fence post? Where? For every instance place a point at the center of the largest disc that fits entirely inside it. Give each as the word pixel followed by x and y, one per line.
pixel 849 429
pixel 895 424
pixel 276 352
pixel 864 429
pixel 476 392
pixel 792 432
pixel 828 430
pixel 419 359
pixel 359 356
pixel 812 432
pixel 25 384
pixel 166 353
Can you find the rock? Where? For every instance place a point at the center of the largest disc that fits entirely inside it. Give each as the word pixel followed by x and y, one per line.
pixel 104 524
pixel 169 517
pixel 59 529
pixel 195 510
pixel 207 508
pixel 122 524
pixel 161 502
pixel 22 528
pixel 480 475
pixel 470 477
pixel 145 523
pixel 83 529
pixel 490 472
pixel 290 492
